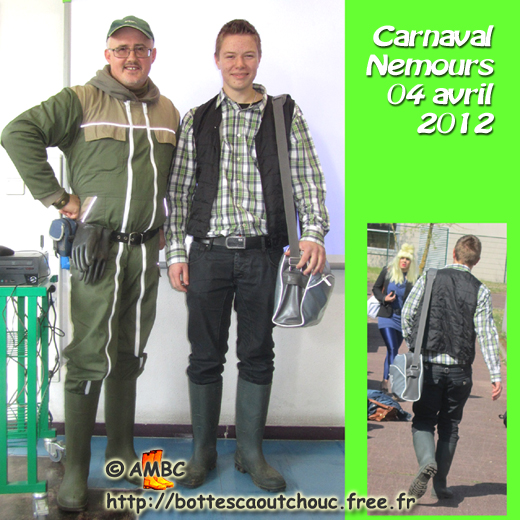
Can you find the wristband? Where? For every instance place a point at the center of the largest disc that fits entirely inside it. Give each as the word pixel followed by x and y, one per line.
pixel 62 201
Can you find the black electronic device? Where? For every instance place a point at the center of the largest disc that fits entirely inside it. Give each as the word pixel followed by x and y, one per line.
pixel 5 251
pixel 24 268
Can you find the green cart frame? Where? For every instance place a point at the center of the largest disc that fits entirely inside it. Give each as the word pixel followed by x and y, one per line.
pixel 24 418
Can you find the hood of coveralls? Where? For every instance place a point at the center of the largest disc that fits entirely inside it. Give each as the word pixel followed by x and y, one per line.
pixel 104 81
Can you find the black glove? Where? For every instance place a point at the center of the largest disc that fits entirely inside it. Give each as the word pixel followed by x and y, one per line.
pixel 96 271
pixel 85 245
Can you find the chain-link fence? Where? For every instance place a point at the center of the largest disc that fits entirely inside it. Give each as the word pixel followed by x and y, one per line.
pixel 384 241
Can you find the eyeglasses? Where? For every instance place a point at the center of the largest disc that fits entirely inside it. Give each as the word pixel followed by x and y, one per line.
pixel 124 52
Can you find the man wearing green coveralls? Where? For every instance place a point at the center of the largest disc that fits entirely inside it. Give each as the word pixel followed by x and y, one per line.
pixel 118 135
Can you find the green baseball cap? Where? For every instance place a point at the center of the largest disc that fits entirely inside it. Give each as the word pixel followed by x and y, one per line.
pixel 131 21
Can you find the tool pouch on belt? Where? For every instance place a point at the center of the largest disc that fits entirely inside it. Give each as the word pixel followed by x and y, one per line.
pixel 90 251
pixel 62 232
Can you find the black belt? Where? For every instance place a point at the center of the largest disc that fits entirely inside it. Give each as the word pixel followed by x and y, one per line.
pixel 262 242
pixel 134 239
pixel 445 367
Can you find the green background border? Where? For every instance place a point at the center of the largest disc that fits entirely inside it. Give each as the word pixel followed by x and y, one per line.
pixel 393 174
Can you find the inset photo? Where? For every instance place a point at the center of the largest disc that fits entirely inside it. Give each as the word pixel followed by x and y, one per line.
pixel 437 367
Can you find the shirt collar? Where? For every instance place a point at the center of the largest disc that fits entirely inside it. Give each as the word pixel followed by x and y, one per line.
pixel 222 97
pixel 460 267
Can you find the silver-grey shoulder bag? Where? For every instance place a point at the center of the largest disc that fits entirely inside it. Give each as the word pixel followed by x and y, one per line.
pixel 300 300
pixel 406 372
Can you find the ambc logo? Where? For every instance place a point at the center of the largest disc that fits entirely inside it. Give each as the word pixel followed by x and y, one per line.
pixel 151 468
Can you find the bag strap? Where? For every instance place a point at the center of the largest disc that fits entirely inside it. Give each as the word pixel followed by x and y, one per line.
pixel 381 405
pixel 430 277
pixel 285 174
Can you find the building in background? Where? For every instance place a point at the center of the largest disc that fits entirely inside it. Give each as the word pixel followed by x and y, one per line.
pixel 383 241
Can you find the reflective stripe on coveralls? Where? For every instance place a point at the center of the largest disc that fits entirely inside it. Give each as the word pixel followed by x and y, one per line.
pixel 130 177
pixel 143 246
pixel 138 127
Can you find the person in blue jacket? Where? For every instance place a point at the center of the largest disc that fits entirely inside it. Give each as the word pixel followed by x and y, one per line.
pixel 391 289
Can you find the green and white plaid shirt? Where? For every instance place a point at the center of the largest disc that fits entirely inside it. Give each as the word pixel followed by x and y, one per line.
pixel 239 207
pixel 483 321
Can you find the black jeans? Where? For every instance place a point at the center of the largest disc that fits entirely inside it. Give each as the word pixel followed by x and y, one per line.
pixel 219 277
pixel 445 392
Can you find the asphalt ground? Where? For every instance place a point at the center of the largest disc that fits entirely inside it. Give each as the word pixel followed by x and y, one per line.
pixel 478 473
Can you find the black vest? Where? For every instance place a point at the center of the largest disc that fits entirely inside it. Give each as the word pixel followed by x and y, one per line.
pixel 450 328
pixel 206 133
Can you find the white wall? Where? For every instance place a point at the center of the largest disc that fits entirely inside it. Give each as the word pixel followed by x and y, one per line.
pixel 31 41
pixel 493 236
pixel 303 54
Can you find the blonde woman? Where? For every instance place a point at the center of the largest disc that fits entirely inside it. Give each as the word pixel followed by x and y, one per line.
pixel 391 289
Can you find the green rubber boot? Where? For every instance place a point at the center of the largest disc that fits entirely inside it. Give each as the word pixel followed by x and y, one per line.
pixel 120 398
pixel 205 403
pixel 444 457
pixel 80 418
pixel 424 445
pixel 251 413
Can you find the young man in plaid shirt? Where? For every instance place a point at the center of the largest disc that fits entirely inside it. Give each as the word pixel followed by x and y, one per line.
pixel 226 193
pixel 460 310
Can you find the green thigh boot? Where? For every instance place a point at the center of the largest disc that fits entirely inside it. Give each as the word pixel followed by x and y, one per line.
pixel 80 418
pixel 251 413
pixel 205 403
pixel 444 457
pixel 120 398
pixel 424 445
